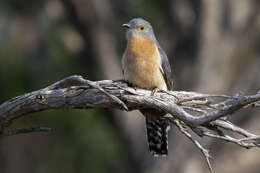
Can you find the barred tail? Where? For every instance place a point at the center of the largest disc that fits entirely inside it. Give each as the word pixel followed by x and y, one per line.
pixel 157 135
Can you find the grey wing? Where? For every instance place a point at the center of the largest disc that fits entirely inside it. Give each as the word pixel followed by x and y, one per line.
pixel 122 66
pixel 166 69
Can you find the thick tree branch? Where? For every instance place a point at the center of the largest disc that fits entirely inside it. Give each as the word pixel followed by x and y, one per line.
pixel 204 114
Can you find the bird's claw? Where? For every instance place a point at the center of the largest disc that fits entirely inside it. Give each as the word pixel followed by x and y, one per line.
pixel 155 90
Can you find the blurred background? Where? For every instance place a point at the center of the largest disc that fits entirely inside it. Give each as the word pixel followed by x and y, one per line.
pixel 213 47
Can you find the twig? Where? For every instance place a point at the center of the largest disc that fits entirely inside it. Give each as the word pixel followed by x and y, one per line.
pixel 25 130
pixel 244 142
pixel 231 127
pixel 78 80
pixel 116 99
pixel 204 151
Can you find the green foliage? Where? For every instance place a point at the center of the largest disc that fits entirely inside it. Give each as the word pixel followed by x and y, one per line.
pixel 82 140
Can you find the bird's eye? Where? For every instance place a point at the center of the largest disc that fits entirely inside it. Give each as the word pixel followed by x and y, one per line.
pixel 141 27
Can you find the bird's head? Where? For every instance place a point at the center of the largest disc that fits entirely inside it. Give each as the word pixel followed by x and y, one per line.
pixel 139 27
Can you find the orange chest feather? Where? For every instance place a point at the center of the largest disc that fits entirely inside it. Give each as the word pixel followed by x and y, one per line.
pixel 141 64
pixel 142 52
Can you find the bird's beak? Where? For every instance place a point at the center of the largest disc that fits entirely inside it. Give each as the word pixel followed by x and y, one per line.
pixel 126 25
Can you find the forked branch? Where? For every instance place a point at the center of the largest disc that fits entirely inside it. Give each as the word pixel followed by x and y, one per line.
pixel 204 114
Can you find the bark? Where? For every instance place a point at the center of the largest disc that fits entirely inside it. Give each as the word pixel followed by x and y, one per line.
pixel 204 114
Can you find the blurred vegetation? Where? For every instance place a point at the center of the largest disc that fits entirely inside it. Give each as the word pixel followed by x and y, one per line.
pixel 213 46
pixel 33 55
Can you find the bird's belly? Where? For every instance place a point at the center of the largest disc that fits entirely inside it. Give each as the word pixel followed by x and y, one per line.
pixel 145 74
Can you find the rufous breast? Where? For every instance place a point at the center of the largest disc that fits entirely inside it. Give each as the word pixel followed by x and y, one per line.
pixel 141 63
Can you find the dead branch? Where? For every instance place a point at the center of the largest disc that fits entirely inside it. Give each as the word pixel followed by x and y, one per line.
pixel 204 114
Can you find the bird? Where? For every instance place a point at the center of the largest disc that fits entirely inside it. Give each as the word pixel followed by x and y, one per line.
pixel 145 65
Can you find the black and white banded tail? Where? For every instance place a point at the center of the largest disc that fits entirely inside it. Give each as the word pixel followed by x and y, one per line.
pixel 157 136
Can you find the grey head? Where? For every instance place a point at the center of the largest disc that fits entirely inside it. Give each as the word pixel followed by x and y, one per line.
pixel 139 27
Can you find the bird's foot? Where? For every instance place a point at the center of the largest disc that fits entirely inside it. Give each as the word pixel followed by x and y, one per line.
pixel 155 90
